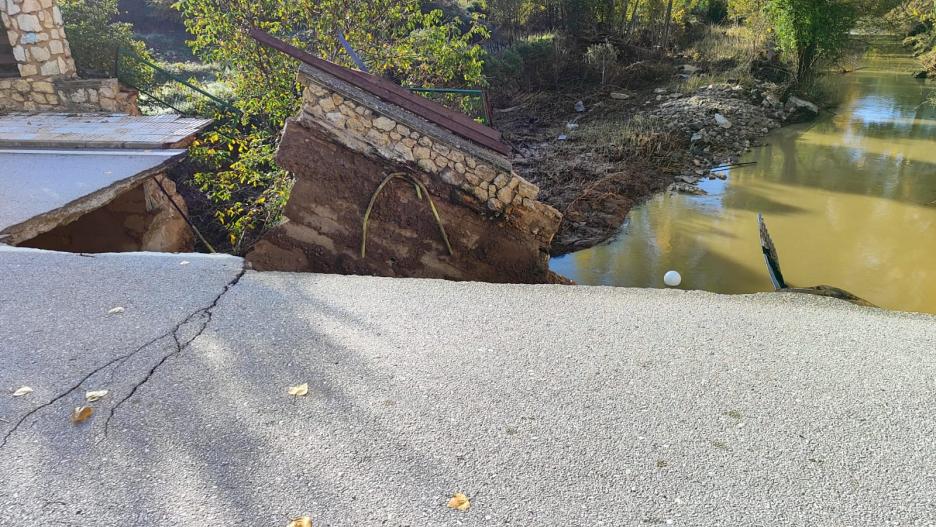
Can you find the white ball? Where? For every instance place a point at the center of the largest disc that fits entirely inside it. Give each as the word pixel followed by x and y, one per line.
pixel 672 278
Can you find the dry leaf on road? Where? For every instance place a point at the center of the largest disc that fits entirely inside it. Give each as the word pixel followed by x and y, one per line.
pixel 81 414
pixel 22 390
pixel 95 395
pixel 304 521
pixel 460 502
pixel 115 310
pixel 300 390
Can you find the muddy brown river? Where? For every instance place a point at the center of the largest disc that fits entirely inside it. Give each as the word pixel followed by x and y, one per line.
pixel 850 201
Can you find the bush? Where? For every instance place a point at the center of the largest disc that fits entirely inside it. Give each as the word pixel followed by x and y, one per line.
pixel 601 56
pixel 533 63
pixel 94 37
pixel 713 11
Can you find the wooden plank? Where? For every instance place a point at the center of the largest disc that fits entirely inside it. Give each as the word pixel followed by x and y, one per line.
pixel 457 123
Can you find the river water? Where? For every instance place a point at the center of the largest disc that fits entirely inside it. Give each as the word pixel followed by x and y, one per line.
pixel 848 201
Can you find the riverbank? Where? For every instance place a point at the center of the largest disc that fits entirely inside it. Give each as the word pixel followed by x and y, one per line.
pixel 847 199
pixel 596 156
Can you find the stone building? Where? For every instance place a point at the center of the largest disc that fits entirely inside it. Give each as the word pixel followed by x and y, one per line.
pixel 354 134
pixel 37 71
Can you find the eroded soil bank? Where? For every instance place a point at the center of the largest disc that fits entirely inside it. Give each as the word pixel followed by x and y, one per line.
pixel 596 156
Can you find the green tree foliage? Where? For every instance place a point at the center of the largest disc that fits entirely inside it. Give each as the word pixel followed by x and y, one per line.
pixel 94 36
pixel 811 30
pixel 394 37
pixel 584 17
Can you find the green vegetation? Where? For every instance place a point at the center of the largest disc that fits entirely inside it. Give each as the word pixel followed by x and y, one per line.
pixel 811 30
pixel 94 36
pixel 396 38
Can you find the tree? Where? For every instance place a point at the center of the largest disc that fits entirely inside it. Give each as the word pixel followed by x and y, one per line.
pixel 94 34
pixel 394 37
pixel 811 30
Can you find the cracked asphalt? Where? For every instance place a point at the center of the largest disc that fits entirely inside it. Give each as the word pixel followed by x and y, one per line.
pixel 546 405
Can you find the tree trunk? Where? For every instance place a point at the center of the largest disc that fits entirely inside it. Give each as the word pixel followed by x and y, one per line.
pixel 633 18
pixel 667 24
pixel 624 7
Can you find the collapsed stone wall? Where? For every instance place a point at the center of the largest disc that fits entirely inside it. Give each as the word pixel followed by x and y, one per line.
pixel 47 73
pixel 345 142
pixel 490 180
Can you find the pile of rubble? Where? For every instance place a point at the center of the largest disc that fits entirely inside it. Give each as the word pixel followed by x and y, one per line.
pixel 722 121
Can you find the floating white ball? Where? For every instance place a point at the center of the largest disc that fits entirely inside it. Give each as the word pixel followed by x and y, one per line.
pixel 672 278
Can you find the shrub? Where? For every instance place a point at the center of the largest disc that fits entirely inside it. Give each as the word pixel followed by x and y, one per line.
pixel 533 63
pixel 94 36
pixel 601 56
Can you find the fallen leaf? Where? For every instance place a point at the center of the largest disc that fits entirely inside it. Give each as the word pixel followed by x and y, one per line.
pixel 95 395
pixel 22 390
pixel 300 390
pixel 184 262
pixel 460 502
pixel 304 521
pixel 116 310
pixel 81 414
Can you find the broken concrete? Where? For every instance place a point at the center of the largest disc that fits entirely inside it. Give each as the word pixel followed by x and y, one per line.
pixel 41 190
pixel 93 183
pixel 139 219
pixel 98 131
pixel 347 140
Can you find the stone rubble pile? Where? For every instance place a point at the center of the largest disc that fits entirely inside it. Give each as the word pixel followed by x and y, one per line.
pixel 721 121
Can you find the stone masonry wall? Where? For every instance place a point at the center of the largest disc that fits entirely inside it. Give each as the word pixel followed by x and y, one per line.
pixel 47 75
pixel 360 128
pixel 79 95
pixel 36 32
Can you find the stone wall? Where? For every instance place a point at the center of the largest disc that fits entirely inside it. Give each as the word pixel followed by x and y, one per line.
pixel 355 125
pixel 343 144
pixel 37 34
pixel 75 95
pixel 47 75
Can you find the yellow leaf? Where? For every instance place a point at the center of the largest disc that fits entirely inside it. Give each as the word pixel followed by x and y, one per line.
pixel 81 414
pixel 22 390
pixel 304 521
pixel 300 390
pixel 460 502
pixel 95 395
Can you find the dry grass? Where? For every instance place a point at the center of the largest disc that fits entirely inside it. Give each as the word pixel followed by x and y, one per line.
pixel 726 53
pixel 637 138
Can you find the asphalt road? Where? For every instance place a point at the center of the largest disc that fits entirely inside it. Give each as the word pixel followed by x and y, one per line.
pixel 546 405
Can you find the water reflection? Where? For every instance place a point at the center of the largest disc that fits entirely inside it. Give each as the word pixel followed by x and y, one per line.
pixel 847 200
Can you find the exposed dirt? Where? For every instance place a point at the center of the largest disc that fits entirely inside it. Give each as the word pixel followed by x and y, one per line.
pixel 334 185
pixel 593 191
pixel 627 145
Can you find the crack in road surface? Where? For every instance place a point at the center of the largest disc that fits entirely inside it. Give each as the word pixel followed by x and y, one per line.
pixel 205 313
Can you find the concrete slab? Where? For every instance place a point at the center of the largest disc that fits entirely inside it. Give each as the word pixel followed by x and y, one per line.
pixel 60 130
pixel 546 405
pixel 40 189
